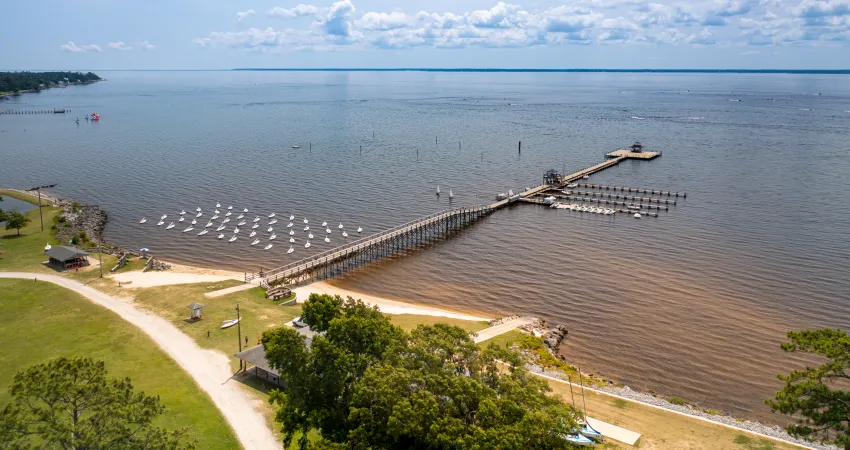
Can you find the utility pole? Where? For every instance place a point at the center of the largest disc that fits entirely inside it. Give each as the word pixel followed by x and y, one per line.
pixel 100 258
pixel 40 215
pixel 239 334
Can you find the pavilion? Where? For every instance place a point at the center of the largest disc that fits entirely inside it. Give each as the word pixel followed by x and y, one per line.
pixel 256 356
pixel 67 257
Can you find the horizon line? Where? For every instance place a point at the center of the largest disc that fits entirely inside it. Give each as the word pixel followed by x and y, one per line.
pixel 521 70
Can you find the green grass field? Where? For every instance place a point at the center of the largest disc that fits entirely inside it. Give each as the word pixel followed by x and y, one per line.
pixel 41 321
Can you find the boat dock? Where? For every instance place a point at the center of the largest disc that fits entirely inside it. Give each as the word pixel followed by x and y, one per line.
pixel 631 189
pixel 442 224
pixel 34 111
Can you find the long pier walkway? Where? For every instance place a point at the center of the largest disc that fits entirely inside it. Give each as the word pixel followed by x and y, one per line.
pixel 422 231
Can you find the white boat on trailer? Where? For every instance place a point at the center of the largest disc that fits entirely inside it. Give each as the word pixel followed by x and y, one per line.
pixel 230 323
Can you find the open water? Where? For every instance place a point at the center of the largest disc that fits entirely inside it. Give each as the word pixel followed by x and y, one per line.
pixel 694 303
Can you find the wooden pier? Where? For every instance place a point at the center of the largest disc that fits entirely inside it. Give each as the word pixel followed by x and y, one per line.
pixel 439 226
pixel 33 111
pixel 631 189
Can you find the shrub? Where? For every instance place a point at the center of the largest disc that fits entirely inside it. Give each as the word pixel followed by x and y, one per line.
pixel 676 400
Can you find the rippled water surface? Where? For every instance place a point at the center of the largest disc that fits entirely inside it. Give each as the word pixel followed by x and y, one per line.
pixel 694 303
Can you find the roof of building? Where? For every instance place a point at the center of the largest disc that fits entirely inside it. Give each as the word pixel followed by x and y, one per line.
pixel 65 253
pixel 257 355
pixel 194 306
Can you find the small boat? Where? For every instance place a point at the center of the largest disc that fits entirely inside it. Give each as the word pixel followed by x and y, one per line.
pixel 244 209
pixel 194 222
pixel 359 230
pixel 160 222
pixel 221 227
pixel 274 221
pixel 217 205
pixel 257 219
pixel 451 194
pixel 290 249
pixel 272 215
pixel 272 237
pixel 310 236
pixel 291 240
pixel 221 236
pixel 199 214
pixel 327 239
pixel 256 241
pixel 226 219
pixel 180 219
pixel 230 323
pixel 438 190
pixel 340 226
pixel 270 229
pixel 240 216
pixel 214 217
pixel 268 247
pixel 585 177
pixel 228 214
pixel 306 228
pixel 189 228
pixel 344 234
pixel 232 239
pixel 182 212
pixel 241 222
pixel 289 225
pixel 589 431
pixel 203 233
pixel 579 440
pixel 637 216
pixel 291 217
pixel 236 230
pixel 307 245
pixel 255 226
pixel 170 226
pixel 305 220
pixel 253 233
pixel 291 232
pixel 570 186
pixel 296 146
pixel 163 217
pixel 209 224
pixel 328 230
pixel 143 220
pixel 198 209
pixel 216 211
pixel 229 207
pixel 324 224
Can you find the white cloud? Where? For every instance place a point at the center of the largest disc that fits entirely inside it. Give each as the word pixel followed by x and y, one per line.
pixel 582 22
pixel 145 45
pixel 300 10
pixel 242 15
pixel 74 48
pixel 118 45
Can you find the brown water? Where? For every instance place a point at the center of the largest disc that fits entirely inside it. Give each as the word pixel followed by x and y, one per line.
pixel 694 303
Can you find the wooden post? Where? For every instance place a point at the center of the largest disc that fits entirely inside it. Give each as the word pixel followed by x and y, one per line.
pixel 239 333
pixel 520 147
pixel 40 215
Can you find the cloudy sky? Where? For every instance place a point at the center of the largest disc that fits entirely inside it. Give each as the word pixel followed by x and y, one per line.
pixel 219 34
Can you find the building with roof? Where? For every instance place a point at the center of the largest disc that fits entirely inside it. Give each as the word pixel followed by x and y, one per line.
pixel 67 257
pixel 256 356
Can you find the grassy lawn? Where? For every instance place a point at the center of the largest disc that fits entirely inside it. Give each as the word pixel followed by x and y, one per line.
pixel 411 321
pixel 41 321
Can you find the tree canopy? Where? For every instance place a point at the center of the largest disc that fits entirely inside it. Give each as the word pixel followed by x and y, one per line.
pixel 69 403
pixel 14 220
pixel 22 81
pixel 818 395
pixel 366 384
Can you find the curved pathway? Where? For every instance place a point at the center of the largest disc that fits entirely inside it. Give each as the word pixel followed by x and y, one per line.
pixel 210 369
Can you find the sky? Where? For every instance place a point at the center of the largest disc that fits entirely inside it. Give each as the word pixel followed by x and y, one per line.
pixel 225 34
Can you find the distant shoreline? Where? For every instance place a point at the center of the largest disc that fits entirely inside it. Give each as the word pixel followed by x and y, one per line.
pixel 415 69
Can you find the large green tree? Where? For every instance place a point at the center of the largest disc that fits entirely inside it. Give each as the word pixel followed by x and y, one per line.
pixel 69 403
pixel 366 384
pixel 16 221
pixel 819 396
pixel 319 310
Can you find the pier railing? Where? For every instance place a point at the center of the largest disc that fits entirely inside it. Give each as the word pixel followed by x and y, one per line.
pixel 324 257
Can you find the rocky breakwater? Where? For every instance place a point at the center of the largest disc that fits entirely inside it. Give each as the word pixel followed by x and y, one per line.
pixel 552 336
pixel 81 225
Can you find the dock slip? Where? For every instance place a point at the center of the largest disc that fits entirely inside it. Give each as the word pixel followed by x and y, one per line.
pixel 427 230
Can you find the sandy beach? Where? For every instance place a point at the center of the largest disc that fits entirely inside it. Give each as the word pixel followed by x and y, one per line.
pixel 179 274
pixel 388 306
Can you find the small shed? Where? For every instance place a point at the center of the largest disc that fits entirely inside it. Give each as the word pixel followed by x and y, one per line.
pixel 197 311
pixel 637 147
pixel 67 257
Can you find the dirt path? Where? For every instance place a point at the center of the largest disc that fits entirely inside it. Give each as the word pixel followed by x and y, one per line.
pixel 210 369
pixel 502 328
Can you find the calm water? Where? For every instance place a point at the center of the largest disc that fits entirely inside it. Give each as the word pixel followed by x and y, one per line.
pixel 694 303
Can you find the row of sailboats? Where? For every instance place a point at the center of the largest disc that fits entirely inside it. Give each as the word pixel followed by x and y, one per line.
pixel 242 222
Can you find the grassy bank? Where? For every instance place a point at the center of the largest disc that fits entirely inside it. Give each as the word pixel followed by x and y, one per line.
pixel 40 321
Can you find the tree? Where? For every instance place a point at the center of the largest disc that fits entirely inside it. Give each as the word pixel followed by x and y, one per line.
pixel 815 393
pixel 319 310
pixel 366 384
pixel 69 403
pixel 16 221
